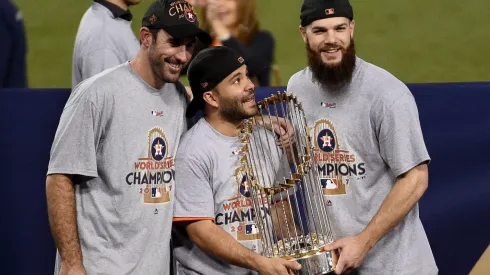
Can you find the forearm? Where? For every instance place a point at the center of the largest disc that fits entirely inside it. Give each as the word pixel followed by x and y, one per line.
pixel 213 240
pixel 405 194
pixel 62 218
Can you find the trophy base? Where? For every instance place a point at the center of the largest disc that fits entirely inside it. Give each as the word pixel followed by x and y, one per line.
pixel 318 264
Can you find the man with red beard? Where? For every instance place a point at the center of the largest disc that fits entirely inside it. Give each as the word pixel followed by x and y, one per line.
pixel 369 148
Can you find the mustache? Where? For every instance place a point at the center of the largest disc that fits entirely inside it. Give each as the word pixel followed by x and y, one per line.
pixel 173 61
pixel 329 46
pixel 250 95
pixel 332 77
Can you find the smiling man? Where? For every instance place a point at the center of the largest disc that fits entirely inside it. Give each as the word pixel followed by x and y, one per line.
pixel 369 146
pixel 110 178
pixel 211 189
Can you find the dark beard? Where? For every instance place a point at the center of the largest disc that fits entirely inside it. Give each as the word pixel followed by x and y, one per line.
pixel 332 77
pixel 156 64
pixel 232 110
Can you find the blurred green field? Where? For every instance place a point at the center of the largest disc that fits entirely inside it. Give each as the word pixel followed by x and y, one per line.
pixel 416 40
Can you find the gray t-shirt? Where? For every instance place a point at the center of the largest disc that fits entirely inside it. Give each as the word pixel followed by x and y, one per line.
pixel 102 42
pixel 364 137
pixel 121 136
pixel 210 184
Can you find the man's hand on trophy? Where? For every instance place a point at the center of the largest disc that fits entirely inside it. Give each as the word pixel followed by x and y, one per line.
pixel 277 266
pixel 281 126
pixel 285 130
pixel 353 251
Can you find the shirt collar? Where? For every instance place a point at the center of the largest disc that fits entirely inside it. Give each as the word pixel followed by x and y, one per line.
pixel 116 10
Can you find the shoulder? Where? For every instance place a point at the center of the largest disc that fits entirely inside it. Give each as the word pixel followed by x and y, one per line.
pixel 97 31
pixel 299 78
pixel 263 36
pixel 195 137
pixel 385 85
pixel 100 88
pixel 9 12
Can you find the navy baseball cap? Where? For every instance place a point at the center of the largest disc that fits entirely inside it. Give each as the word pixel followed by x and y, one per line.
pixel 207 70
pixel 176 17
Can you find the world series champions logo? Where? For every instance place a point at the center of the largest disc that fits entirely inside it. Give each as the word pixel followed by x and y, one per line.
pixel 336 165
pixel 154 173
pixel 182 9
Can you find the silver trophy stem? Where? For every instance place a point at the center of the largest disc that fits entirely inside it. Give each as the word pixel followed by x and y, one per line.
pixel 264 220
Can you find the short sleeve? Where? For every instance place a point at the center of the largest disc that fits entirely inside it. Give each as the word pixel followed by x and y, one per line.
pixel 194 198
pixel 401 141
pixel 98 61
pixel 76 140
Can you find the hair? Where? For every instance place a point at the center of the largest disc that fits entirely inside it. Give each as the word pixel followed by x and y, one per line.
pixel 154 34
pixel 247 20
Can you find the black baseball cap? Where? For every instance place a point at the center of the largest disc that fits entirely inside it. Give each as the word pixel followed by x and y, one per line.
pixel 313 10
pixel 176 17
pixel 207 70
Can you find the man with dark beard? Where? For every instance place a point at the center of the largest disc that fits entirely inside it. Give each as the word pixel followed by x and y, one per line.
pixel 215 233
pixel 110 178
pixel 368 146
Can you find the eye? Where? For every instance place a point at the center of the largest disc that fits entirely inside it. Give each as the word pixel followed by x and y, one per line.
pixel 237 81
pixel 340 29
pixel 176 42
pixel 190 46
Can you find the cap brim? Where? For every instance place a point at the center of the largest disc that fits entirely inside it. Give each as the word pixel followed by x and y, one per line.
pixel 189 30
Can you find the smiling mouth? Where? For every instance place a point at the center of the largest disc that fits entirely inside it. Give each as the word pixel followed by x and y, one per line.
pixel 249 99
pixel 175 66
pixel 331 50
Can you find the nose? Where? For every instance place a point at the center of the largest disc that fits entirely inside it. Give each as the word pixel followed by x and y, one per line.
pixel 250 85
pixel 182 54
pixel 330 37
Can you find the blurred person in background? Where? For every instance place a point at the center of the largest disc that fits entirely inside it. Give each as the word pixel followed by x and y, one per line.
pixel 13 48
pixel 234 23
pixel 104 38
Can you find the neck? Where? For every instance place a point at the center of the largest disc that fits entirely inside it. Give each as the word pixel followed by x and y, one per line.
pixel 119 3
pixel 141 66
pixel 227 128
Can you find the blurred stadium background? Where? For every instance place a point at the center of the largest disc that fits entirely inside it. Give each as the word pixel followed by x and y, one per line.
pixel 418 41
